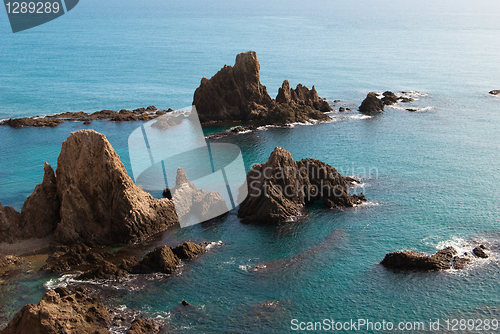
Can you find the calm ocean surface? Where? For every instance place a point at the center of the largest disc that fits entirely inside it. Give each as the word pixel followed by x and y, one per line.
pixel 432 176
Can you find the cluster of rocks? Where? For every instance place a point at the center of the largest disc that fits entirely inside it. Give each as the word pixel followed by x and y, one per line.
pixel 279 189
pixel 162 259
pixel 373 103
pixel 235 93
pixel 444 259
pixel 140 114
pixel 90 198
pixel 65 257
pixel 64 310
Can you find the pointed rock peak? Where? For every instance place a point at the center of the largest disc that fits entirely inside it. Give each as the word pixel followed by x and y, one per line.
pixel 181 177
pixel 285 85
pixel 280 154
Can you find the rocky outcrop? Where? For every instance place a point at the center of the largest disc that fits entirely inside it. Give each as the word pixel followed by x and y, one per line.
pixel 389 98
pixel 103 270
pixel 301 95
pixel 495 92
pixel 189 200
pixel 236 94
pixel 188 250
pixel 61 311
pixel 233 93
pixel 90 199
pixel 444 259
pixel 40 212
pixel 280 188
pixel 144 326
pixel 10 224
pixel 371 104
pixel 99 201
pixel 66 257
pixel 479 252
pixel 140 114
pixel 160 260
pixel 420 261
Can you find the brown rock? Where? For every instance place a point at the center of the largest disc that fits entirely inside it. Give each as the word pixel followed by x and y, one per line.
pixel 390 98
pixel 233 93
pixel 188 250
pixel 495 92
pixel 280 188
pixel 419 261
pixel 99 201
pixel 61 312
pixel 301 95
pixel 160 260
pixel 143 326
pixel 103 270
pixel 40 212
pixel 479 252
pixel 371 104
pixel 10 222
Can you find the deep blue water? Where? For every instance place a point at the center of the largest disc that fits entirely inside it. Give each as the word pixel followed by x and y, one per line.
pixel 431 176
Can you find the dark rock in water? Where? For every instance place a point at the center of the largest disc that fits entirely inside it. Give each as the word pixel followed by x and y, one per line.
pixel 40 212
pixel 419 261
pixel 479 252
pixel 61 311
pixel 341 109
pixel 188 250
pixel 5 260
pixel 460 262
pixel 234 93
pixel 185 303
pixel 280 188
pixel 99 201
pixel 160 260
pixel 66 257
pixel 495 92
pixel 390 98
pixel 103 270
pixel 371 104
pixel 407 99
pixel 144 326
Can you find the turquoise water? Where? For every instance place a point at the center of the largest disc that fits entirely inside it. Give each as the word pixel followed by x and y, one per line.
pixel 431 176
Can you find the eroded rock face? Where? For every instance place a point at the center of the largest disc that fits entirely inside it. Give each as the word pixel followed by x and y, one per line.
pixel 234 93
pixel 40 212
pixel 189 200
pixel 10 222
pixel 99 201
pixel 143 326
pixel 371 104
pixel 280 188
pixel 61 311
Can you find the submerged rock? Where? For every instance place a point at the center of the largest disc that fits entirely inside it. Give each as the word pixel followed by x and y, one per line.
pixel 61 311
pixel 371 104
pixel 99 201
pixel 280 188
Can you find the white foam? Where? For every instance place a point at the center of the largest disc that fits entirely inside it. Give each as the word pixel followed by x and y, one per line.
pixel 360 116
pixel 214 244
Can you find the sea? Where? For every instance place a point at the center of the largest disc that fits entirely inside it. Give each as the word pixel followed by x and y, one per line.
pixel 431 175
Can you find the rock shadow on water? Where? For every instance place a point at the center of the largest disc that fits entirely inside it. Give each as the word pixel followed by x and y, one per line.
pixel 298 262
